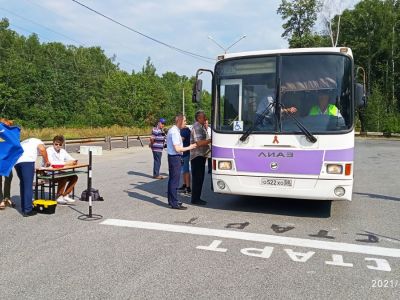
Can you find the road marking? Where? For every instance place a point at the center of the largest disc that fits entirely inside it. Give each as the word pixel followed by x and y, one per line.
pixel 257 237
pixel 213 247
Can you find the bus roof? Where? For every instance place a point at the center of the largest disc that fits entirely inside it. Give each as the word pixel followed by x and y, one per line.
pixel 344 50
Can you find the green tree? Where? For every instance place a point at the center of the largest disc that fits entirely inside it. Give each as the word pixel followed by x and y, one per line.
pixel 300 17
pixel 52 84
pixel 368 30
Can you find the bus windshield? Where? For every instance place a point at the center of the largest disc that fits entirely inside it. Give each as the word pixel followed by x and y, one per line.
pixel 255 93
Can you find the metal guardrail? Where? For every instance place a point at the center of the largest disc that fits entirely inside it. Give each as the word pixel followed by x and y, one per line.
pixel 108 140
pixel 378 134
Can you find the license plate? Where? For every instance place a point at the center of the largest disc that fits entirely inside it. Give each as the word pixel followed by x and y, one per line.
pixel 277 182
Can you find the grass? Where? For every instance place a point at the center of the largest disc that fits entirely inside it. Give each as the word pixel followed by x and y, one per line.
pixel 47 134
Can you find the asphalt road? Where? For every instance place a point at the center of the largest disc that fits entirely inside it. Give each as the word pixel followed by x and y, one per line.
pixel 234 248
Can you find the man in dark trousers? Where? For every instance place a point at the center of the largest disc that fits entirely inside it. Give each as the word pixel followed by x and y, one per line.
pixel 198 156
pixel 157 141
pixel 185 188
pixel 175 150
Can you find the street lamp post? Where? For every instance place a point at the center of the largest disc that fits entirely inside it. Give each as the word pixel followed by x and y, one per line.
pixel 233 44
pixel 393 34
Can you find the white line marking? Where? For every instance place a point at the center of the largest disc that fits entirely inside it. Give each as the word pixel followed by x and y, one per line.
pixel 257 237
pixel 213 247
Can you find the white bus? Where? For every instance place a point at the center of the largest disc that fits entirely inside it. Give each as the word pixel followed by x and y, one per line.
pixel 283 123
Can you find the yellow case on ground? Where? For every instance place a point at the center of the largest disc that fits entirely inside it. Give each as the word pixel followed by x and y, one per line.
pixel 45 206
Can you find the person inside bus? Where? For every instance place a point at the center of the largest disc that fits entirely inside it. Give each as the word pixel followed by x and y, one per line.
pixel 266 110
pixel 324 107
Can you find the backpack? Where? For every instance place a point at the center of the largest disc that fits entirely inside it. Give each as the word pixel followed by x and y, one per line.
pixel 95 195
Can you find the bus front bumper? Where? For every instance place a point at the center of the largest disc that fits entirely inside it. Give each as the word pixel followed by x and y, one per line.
pixel 297 188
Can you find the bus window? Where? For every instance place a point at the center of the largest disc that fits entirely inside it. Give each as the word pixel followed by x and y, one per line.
pixel 243 87
pixel 319 87
pixel 229 104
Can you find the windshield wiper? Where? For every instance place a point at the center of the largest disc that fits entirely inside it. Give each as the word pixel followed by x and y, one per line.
pixel 258 121
pixel 310 137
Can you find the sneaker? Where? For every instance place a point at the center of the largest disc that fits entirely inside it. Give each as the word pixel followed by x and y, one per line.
pixel 68 199
pixel 188 190
pixel 61 200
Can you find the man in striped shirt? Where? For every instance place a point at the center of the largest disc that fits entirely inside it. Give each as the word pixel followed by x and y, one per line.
pixel 157 142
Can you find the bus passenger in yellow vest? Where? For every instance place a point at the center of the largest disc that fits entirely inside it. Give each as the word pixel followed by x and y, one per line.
pixel 324 108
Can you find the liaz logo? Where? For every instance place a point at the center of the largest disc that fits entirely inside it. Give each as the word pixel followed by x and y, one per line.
pixel 276 154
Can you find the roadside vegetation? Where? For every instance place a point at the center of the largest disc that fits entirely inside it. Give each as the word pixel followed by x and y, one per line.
pixel 47 134
pixel 52 85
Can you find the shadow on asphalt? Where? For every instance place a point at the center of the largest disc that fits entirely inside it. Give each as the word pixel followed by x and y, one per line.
pixel 378 197
pixel 264 205
pixel 273 206
pixel 154 200
pixel 17 201
pixel 144 174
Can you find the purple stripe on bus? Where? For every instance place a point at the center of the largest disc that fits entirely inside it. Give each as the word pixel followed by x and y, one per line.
pixel 220 152
pixel 303 162
pixel 274 161
pixel 340 155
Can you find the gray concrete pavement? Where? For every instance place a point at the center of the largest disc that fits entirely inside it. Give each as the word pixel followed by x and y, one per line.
pixel 60 257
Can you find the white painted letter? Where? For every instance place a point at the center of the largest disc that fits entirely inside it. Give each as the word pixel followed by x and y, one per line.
pixel 337 260
pixel 263 253
pixel 299 256
pixel 213 247
pixel 381 264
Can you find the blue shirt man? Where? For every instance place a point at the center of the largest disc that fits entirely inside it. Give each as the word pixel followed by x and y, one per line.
pixel 185 134
pixel 175 150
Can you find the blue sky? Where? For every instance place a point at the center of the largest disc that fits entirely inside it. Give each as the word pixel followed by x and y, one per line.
pixel 184 24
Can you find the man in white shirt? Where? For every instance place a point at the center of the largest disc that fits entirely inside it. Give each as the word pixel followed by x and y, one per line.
pixel 175 150
pixel 58 156
pixel 25 167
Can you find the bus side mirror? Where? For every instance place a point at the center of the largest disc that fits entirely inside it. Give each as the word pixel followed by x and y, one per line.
pixel 197 91
pixel 360 97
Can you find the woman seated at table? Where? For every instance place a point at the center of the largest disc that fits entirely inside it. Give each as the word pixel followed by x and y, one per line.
pixel 58 156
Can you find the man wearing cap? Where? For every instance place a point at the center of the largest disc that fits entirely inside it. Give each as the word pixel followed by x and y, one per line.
pixel 157 142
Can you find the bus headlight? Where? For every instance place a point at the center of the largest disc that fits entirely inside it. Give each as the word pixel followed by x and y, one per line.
pixel 339 191
pixel 224 165
pixel 221 185
pixel 334 169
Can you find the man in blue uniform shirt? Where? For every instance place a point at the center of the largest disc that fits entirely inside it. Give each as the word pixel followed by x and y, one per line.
pixel 175 149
